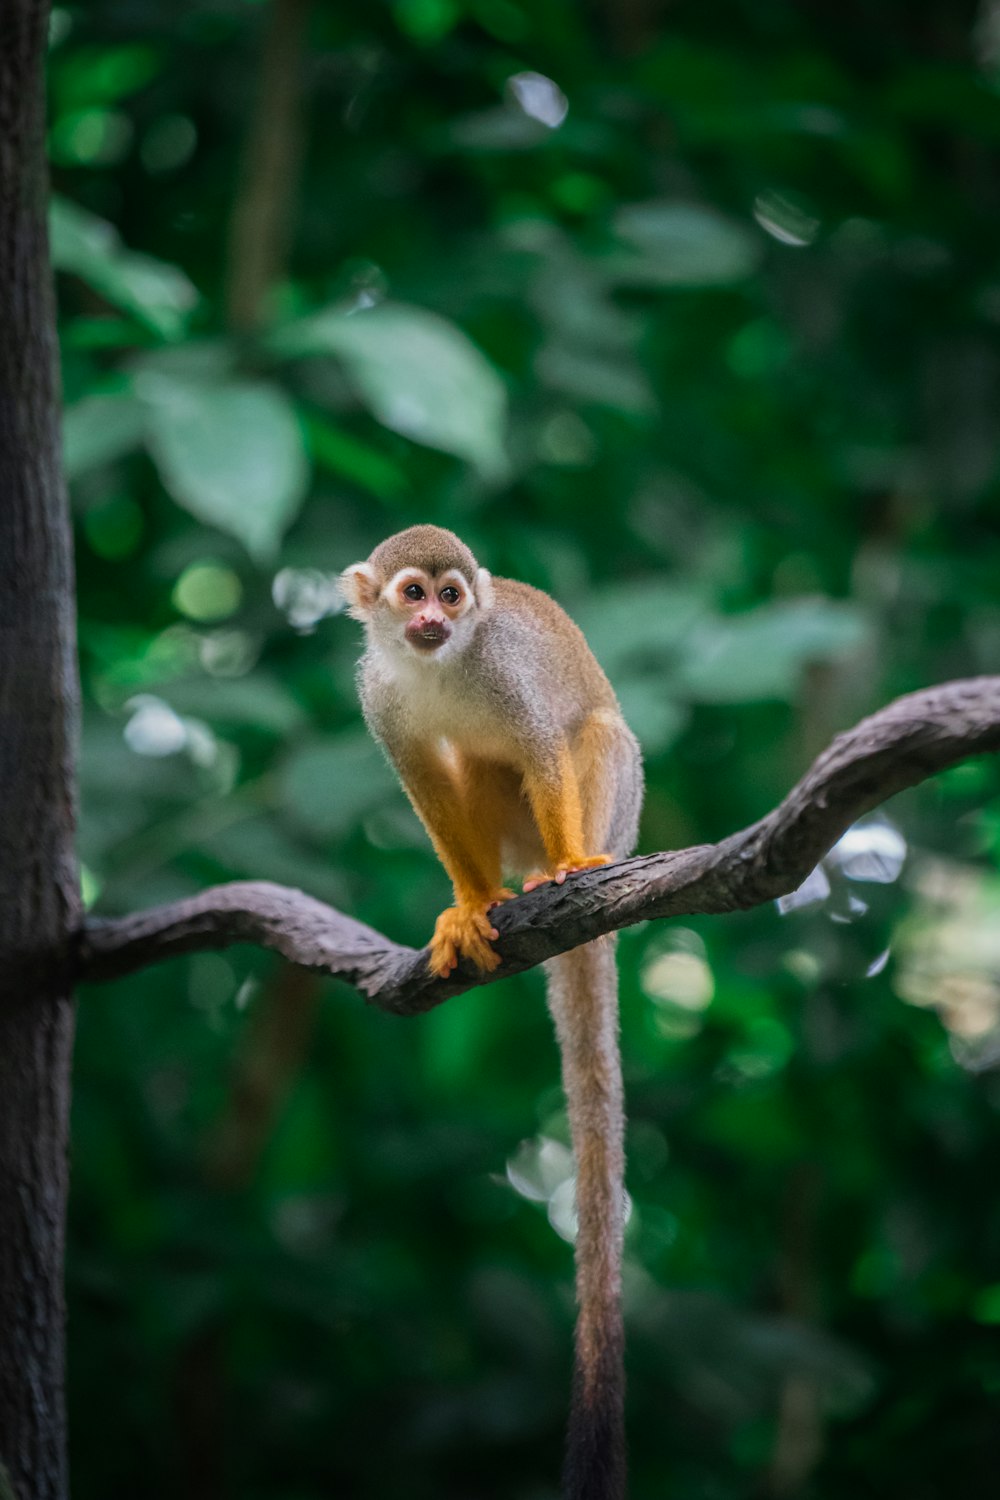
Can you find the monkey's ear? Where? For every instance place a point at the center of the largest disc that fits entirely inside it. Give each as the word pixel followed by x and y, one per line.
pixel 482 587
pixel 359 587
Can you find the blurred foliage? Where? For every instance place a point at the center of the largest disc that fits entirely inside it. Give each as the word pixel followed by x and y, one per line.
pixel 690 315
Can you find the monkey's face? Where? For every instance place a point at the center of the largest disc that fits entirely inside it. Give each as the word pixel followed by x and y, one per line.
pixel 430 612
pixel 419 613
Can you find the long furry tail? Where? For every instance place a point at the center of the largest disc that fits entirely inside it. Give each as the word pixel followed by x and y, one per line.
pixel 583 999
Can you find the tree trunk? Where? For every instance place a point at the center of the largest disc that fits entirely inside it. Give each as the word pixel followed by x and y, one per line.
pixel 39 909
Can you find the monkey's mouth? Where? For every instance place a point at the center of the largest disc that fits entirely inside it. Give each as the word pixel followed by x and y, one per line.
pixel 428 637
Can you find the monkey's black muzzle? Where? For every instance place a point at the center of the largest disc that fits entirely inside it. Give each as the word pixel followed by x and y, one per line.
pixel 428 635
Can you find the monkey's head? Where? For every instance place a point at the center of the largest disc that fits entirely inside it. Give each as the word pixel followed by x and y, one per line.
pixel 421 593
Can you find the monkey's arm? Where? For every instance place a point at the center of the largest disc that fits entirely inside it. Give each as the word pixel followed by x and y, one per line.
pixel 553 784
pixel 469 852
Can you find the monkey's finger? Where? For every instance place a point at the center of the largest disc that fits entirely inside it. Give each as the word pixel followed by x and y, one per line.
pixel 443 957
pixel 484 926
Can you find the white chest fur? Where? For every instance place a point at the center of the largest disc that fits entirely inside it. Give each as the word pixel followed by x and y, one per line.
pixel 437 703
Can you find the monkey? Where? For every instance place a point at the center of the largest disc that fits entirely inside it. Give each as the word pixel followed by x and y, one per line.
pixel 511 746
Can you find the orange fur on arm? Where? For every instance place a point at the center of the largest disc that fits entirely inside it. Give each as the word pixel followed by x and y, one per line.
pixel 474 870
pixel 555 801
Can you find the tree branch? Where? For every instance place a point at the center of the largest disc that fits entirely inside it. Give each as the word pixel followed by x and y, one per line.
pixel 903 744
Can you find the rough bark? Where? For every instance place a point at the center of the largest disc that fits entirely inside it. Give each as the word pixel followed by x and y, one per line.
pixel 38 713
pixel 901 745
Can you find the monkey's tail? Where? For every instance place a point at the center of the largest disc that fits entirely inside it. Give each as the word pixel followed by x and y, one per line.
pixel 583 999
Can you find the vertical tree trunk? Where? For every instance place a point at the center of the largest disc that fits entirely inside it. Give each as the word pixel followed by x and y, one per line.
pixel 264 212
pixel 38 717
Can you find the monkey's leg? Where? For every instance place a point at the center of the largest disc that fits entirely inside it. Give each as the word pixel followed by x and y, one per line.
pixel 609 772
pixel 491 794
pixel 472 861
pixel 554 793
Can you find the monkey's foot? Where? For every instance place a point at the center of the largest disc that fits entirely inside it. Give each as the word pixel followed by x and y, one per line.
pixel 464 932
pixel 569 867
pixel 500 896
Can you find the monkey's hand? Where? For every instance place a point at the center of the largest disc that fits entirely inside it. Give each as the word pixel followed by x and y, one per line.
pixel 465 932
pixel 566 867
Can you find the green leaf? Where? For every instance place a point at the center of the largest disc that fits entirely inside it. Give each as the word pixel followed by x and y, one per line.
pixel 986 1307
pixel 261 849
pixel 258 701
pixel 624 624
pixel 607 379
pixel 761 654
pixel 419 375
pixel 99 429
pixel 210 361
pixel 231 454
pixel 103 75
pixel 346 456
pixel 682 244
pixel 330 785
pixel 655 718
pixel 498 130
pixel 158 294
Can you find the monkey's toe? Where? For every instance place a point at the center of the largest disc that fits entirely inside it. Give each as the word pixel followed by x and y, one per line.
pixel 443 957
pixel 588 862
pixel 567 867
pixel 463 932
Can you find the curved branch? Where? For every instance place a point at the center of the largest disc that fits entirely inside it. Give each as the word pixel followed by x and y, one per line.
pixel 903 744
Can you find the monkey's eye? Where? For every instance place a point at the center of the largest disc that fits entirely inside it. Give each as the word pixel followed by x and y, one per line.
pixel 414 591
pixel 450 595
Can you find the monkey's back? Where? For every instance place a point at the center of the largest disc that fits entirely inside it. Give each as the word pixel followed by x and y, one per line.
pixel 523 631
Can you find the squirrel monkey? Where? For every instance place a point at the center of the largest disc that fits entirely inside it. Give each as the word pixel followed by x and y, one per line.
pixel 510 744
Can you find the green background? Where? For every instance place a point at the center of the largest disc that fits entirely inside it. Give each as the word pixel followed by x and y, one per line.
pixel 689 314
